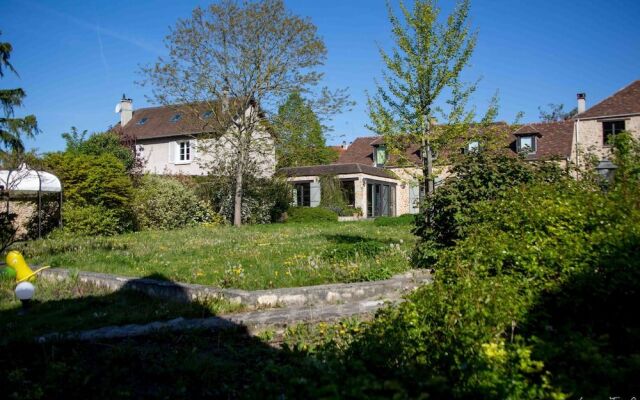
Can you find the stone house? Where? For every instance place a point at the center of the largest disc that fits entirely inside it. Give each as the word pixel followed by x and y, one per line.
pixel 594 126
pixel 173 140
pixel 373 181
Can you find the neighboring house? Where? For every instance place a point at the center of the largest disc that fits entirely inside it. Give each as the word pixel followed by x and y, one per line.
pixel 595 126
pixel 169 139
pixel 379 186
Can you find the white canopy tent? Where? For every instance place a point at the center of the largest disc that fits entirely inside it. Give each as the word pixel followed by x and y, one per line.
pixel 25 183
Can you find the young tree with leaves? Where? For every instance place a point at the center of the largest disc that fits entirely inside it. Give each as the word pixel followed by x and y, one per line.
pixel 12 129
pixel 231 64
pixel 300 138
pixel 423 74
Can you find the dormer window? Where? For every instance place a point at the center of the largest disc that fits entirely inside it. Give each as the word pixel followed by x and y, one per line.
pixel 207 114
pixel 380 155
pixel 176 118
pixel 143 121
pixel 611 128
pixel 526 144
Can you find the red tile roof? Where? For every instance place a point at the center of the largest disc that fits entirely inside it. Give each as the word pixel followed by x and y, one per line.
pixel 554 139
pixel 158 122
pixel 624 102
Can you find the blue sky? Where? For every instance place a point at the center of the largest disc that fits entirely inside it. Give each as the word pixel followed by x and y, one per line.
pixel 77 58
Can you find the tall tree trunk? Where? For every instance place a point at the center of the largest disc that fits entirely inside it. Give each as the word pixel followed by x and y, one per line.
pixel 237 199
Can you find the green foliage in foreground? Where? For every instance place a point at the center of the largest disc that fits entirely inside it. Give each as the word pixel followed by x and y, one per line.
pixel 536 299
pixel 311 215
pixel 252 257
pixel 478 176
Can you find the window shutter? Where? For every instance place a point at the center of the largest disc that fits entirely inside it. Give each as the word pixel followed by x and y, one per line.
pixel 315 194
pixel 172 152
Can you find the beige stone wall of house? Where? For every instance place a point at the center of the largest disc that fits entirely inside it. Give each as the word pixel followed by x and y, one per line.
pixel 161 156
pixel 589 137
pixel 360 187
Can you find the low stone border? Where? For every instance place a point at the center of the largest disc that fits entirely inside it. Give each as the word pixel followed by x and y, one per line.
pixel 254 322
pixel 299 296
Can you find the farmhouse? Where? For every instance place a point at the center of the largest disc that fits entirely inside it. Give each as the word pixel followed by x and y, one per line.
pixel 177 140
pixel 374 181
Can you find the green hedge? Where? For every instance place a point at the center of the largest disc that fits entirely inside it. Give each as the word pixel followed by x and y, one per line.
pixel 405 219
pixel 311 214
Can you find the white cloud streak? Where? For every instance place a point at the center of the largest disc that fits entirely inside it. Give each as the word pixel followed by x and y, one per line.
pixel 97 28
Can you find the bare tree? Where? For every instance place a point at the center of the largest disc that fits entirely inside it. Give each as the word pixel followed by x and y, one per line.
pixel 230 65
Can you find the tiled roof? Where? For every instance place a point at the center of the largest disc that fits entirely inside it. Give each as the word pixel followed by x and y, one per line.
pixel 554 139
pixel 336 169
pixel 158 122
pixel 361 152
pixel 624 102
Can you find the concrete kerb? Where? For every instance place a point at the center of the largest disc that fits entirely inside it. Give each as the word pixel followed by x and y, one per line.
pixel 254 321
pixel 285 297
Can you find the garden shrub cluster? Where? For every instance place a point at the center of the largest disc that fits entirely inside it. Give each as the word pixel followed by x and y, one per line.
pixel 311 214
pixel 478 176
pixel 535 299
pixel 264 200
pixel 98 184
pixel 165 203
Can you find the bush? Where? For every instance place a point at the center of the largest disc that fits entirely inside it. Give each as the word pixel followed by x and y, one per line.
pixel 164 203
pixel 535 299
pixel 264 200
pixel 311 214
pixel 478 176
pixel 405 219
pixel 91 220
pixel 93 181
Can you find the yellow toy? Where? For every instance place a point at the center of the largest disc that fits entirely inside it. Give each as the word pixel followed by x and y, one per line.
pixel 16 261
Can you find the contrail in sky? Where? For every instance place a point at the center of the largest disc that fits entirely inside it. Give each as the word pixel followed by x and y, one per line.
pixel 97 28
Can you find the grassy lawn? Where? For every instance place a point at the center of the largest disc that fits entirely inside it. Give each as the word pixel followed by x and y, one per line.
pixel 250 257
pixel 71 305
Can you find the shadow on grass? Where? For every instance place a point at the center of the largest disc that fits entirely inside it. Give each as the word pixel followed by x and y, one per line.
pixel 342 239
pixel 71 305
pixel 195 364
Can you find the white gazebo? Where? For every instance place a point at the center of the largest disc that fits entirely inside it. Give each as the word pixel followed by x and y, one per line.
pixel 25 183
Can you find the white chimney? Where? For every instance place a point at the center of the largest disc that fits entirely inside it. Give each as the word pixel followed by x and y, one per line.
pixel 582 102
pixel 125 109
pixel 344 144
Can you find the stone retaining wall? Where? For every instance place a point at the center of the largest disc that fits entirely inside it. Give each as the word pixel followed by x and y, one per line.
pixel 299 296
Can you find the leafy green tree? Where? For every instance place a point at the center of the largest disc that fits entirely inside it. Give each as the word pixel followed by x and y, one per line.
pixel 99 143
pixel 300 135
pixel 12 129
pixel 229 64
pixel 423 71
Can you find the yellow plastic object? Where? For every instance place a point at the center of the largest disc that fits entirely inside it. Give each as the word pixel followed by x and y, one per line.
pixel 16 261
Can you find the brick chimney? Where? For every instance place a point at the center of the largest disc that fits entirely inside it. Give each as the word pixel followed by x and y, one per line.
pixel 582 102
pixel 125 109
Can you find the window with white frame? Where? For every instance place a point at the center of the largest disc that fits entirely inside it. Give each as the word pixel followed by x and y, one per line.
pixel 184 151
pixel 473 146
pixel 527 144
